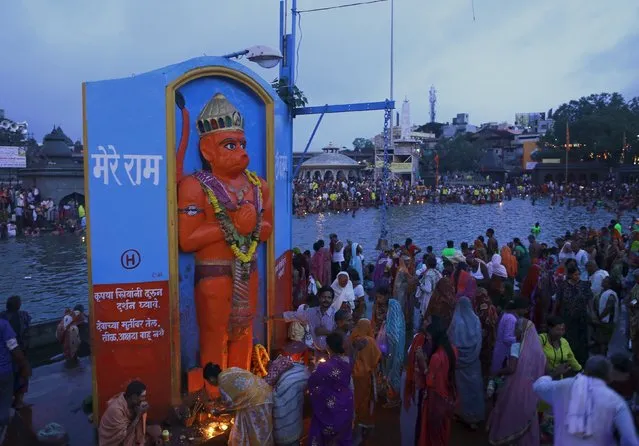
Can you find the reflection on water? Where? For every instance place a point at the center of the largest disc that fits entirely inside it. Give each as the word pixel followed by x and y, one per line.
pixel 50 272
pixel 434 224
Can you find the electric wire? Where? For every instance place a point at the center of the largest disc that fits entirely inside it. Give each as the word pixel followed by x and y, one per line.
pixel 348 5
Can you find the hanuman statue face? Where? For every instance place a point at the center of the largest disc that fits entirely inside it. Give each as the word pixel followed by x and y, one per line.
pixel 222 139
pixel 225 151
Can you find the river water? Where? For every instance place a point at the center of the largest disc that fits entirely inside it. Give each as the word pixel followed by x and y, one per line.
pixel 50 273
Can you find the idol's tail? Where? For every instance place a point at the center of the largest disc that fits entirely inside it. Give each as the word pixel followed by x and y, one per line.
pixel 184 136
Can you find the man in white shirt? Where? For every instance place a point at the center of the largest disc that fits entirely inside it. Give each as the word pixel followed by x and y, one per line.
pixel 581 257
pixel 596 276
pixel 427 284
pixel 337 256
pixel 586 410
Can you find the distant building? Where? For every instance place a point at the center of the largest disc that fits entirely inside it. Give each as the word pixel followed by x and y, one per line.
pixel 56 168
pixel 330 165
pixel 498 142
pixel 459 126
pixel 405 154
pixel 534 122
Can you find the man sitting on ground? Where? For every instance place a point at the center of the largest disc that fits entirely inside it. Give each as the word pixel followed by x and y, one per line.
pixel 124 421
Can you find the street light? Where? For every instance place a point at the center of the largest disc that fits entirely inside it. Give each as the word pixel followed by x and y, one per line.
pixel 264 56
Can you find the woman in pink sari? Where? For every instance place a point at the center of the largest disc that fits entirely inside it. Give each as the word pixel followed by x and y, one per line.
pixel 514 419
pixel 321 264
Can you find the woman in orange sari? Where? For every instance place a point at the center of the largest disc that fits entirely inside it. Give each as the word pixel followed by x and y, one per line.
pixel 509 260
pixel 68 332
pixel 366 361
pixel 440 398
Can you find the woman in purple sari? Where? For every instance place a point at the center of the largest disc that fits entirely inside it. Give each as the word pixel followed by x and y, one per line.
pixel 332 397
pixel 514 419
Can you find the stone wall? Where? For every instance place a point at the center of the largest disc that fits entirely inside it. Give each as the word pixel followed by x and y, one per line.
pixel 54 183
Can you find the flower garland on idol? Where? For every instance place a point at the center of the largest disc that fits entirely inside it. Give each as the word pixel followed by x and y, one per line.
pixel 243 247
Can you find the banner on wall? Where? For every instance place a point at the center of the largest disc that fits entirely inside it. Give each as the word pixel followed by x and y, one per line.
pixel 127 241
pixel 13 157
pixel 132 317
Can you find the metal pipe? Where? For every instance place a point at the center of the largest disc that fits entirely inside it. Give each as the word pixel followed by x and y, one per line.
pixel 235 54
pixel 392 72
pixel 292 51
pixel 392 47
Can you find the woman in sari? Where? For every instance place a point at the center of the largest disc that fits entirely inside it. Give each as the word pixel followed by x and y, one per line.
pixel 384 263
pixel 414 382
pixel 440 398
pixel 250 398
pixel 514 419
pixel 321 263
pixel 300 278
pixel 68 333
pixel 356 259
pixel 465 334
pixel 442 303
pixel 506 334
pixel 509 261
pixel 529 293
pixel 364 368
pixel 401 290
pixel 523 259
pixel 344 292
pixel 332 397
pixel 574 298
pixel 465 283
pixel 488 317
pixel 391 339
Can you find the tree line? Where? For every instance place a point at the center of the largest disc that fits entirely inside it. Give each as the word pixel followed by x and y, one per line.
pixel 601 127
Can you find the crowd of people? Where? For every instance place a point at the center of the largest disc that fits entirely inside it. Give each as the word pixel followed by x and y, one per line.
pixel 536 342
pixel 25 212
pixel 532 340
pixel 315 196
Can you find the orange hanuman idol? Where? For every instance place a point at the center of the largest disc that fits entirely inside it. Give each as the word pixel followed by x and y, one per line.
pixel 225 211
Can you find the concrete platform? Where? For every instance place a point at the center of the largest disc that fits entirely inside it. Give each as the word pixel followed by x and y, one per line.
pixel 56 395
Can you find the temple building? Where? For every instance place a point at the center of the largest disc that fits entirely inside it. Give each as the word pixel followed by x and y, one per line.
pixel 330 165
pixel 57 168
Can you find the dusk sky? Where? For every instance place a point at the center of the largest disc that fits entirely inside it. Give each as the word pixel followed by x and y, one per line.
pixel 517 56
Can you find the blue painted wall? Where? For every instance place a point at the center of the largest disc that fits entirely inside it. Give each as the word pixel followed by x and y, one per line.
pixel 129 113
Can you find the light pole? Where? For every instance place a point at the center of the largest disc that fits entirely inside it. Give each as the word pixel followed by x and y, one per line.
pixel 263 55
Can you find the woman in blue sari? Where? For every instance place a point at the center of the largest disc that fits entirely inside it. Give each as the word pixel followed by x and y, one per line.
pixel 391 340
pixel 356 259
pixel 466 336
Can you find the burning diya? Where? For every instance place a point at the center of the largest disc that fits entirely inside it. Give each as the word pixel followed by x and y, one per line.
pixel 218 426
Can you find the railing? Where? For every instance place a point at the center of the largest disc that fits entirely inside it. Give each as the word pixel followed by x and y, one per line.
pixel 396 167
